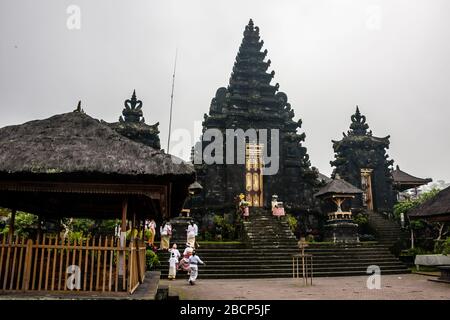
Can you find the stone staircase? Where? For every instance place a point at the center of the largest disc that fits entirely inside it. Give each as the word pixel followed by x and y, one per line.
pixel 388 231
pixel 267 253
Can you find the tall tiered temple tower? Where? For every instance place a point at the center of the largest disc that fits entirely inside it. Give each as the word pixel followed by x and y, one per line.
pixel 361 159
pixel 251 102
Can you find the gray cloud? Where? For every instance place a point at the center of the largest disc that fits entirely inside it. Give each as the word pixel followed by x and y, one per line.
pixel 328 57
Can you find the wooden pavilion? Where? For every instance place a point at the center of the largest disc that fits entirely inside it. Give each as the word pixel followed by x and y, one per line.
pixel 403 181
pixel 436 209
pixel 71 165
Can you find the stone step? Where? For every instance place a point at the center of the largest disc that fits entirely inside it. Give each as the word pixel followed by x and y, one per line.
pixel 273 273
pixel 280 251
pixel 270 245
pixel 248 265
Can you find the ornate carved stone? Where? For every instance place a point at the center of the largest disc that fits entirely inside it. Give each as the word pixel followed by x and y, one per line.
pixel 132 124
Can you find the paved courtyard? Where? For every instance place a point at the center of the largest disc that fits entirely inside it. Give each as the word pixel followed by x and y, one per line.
pixel 393 287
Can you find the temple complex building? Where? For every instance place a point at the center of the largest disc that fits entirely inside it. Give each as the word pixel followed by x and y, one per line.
pixel 361 159
pixel 251 102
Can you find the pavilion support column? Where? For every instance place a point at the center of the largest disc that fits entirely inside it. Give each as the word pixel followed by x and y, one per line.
pixel 123 237
pixel 11 224
pixel 133 226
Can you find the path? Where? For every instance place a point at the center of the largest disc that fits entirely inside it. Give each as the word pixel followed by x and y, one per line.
pixel 393 287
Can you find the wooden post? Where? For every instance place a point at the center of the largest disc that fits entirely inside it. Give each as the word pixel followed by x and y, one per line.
pixel 11 225
pixel 27 266
pixel 39 231
pixel 138 262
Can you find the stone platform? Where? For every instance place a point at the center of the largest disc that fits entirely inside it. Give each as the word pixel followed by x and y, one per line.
pixel 267 253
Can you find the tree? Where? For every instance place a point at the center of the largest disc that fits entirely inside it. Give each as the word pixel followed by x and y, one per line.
pixel 408 204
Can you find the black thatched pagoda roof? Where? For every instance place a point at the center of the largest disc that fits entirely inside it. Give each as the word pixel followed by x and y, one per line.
pixel 434 209
pixel 76 143
pixel 337 186
pixel 404 181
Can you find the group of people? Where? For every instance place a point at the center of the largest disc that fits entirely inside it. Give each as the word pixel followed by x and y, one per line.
pixel 277 207
pixel 189 263
pixel 166 233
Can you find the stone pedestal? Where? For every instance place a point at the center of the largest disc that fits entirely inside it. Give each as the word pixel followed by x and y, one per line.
pixel 179 227
pixel 341 231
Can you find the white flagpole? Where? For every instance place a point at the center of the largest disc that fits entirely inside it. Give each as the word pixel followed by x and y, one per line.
pixel 171 101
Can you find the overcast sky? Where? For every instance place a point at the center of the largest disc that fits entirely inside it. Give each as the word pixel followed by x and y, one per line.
pixel 392 58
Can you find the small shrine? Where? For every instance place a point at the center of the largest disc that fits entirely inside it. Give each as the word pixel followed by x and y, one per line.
pixel 339 226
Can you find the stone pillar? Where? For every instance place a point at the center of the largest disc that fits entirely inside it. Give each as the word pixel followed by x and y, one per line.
pixel 179 233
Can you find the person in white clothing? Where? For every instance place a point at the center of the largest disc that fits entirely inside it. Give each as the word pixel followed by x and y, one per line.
pixel 166 232
pixel 173 262
pixel 194 261
pixel 196 234
pixel 184 262
pixel 191 234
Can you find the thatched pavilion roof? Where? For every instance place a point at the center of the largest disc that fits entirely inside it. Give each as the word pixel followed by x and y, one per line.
pixel 404 181
pixel 76 143
pixel 337 186
pixel 434 209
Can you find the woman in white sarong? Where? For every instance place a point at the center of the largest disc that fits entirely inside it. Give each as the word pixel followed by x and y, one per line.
pixel 191 234
pixel 166 232
pixel 173 262
pixel 151 228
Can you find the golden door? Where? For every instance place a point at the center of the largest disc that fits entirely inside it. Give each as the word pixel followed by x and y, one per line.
pixel 366 186
pixel 253 174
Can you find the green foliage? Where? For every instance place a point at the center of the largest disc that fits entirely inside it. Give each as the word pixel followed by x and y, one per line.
pixel 406 205
pixel 82 225
pixel 360 219
pixel 77 236
pixel 24 223
pixel 224 229
pixel 403 207
pixel 292 222
pixel 4 212
pixel 207 236
pixel 106 226
pixel 413 252
pixel 443 246
pixel 417 224
pixel 151 259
